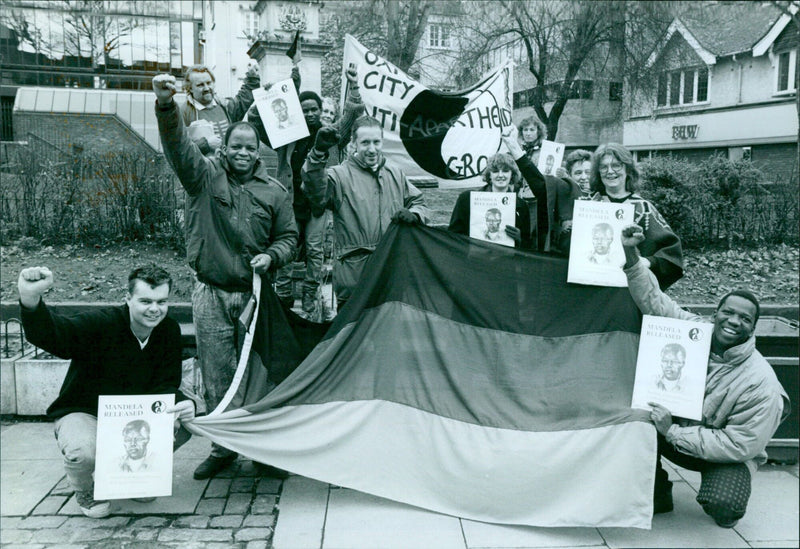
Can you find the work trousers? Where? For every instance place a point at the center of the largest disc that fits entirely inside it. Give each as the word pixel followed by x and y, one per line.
pixel 724 487
pixel 311 241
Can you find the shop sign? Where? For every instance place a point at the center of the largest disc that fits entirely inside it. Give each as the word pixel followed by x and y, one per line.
pixel 684 132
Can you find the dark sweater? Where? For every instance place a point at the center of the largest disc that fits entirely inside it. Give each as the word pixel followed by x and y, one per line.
pixel 106 358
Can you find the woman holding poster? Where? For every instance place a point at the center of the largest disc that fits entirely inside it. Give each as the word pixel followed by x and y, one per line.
pixel 501 176
pixel 614 177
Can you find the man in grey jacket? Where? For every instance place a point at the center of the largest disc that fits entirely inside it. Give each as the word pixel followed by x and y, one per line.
pixel 365 193
pixel 743 405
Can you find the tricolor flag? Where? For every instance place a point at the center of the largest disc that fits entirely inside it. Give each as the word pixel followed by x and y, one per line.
pixel 470 379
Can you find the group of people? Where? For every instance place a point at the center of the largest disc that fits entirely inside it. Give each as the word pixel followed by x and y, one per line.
pixel 241 221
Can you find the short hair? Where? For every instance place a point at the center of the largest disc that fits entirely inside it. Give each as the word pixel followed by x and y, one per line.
pixel 150 274
pixel 541 129
pixel 278 100
pixel 187 83
pixel 624 156
pixel 503 162
pixel 308 94
pixel 237 125
pixel 746 294
pixel 494 211
pixel 578 155
pixel 137 425
pixel 675 349
pixel 365 121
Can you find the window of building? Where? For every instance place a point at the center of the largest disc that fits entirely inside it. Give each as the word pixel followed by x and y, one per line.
pixel 786 72
pixel 249 23
pixel 615 91
pixel 683 87
pixel 438 35
pixel 6 118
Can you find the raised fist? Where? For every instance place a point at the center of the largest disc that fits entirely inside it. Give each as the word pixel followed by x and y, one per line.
pixel 352 75
pixel 164 87
pixel 327 137
pixel 33 283
pixel 632 235
pixel 252 69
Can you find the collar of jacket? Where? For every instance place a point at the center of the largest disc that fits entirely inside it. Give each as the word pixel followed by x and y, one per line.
pixel 198 105
pixel 381 162
pixel 738 353
pixel 259 171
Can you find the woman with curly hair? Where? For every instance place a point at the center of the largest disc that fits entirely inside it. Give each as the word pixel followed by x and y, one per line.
pixel 614 177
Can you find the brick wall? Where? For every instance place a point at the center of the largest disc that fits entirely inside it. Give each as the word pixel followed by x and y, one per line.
pixel 778 160
pixel 95 133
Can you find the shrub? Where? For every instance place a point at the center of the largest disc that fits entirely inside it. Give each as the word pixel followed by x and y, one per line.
pixel 90 198
pixel 719 202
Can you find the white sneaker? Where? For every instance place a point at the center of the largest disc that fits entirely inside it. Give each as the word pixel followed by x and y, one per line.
pixel 90 507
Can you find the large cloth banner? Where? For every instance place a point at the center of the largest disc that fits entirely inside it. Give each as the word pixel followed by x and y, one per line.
pixel 470 379
pixel 431 134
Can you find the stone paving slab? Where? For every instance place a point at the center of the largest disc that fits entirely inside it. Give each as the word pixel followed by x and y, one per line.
pixel 686 526
pixel 772 512
pixel 29 441
pixel 357 520
pixel 301 518
pixel 481 535
pixel 26 482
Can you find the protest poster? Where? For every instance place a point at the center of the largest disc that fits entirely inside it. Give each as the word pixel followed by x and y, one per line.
pixel 550 156
pixel 134 446
pixel 430 134
pixel 671 365
pixel 489 214
pixel 596 256
pixel 280 112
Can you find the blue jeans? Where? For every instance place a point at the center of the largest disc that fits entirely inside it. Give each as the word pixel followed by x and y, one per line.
pixel 219 336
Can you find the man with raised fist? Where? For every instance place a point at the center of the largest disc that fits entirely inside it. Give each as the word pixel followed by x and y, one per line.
pixel 365 193
pixel 239 220
pixel 130 349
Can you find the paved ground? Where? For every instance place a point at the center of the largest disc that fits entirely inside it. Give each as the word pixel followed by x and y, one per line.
pixel 240 510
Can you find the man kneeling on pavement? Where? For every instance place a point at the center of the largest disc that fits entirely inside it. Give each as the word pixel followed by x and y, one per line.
pixel 743 405
pixel 131 349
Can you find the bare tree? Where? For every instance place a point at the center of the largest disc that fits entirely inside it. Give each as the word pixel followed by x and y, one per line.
pixel 391 28
pixel 567 40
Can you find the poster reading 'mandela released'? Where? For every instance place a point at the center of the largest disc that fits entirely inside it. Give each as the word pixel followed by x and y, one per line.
pixel 489 214
pixel 134 446
pixel 280 112
pixel 595 255
pixel 671 365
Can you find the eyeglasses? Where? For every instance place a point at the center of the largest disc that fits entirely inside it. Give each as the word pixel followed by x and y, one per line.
pixel 615 167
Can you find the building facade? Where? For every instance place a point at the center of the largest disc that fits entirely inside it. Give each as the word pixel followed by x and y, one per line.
pixel 727 86
pixel 75 75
